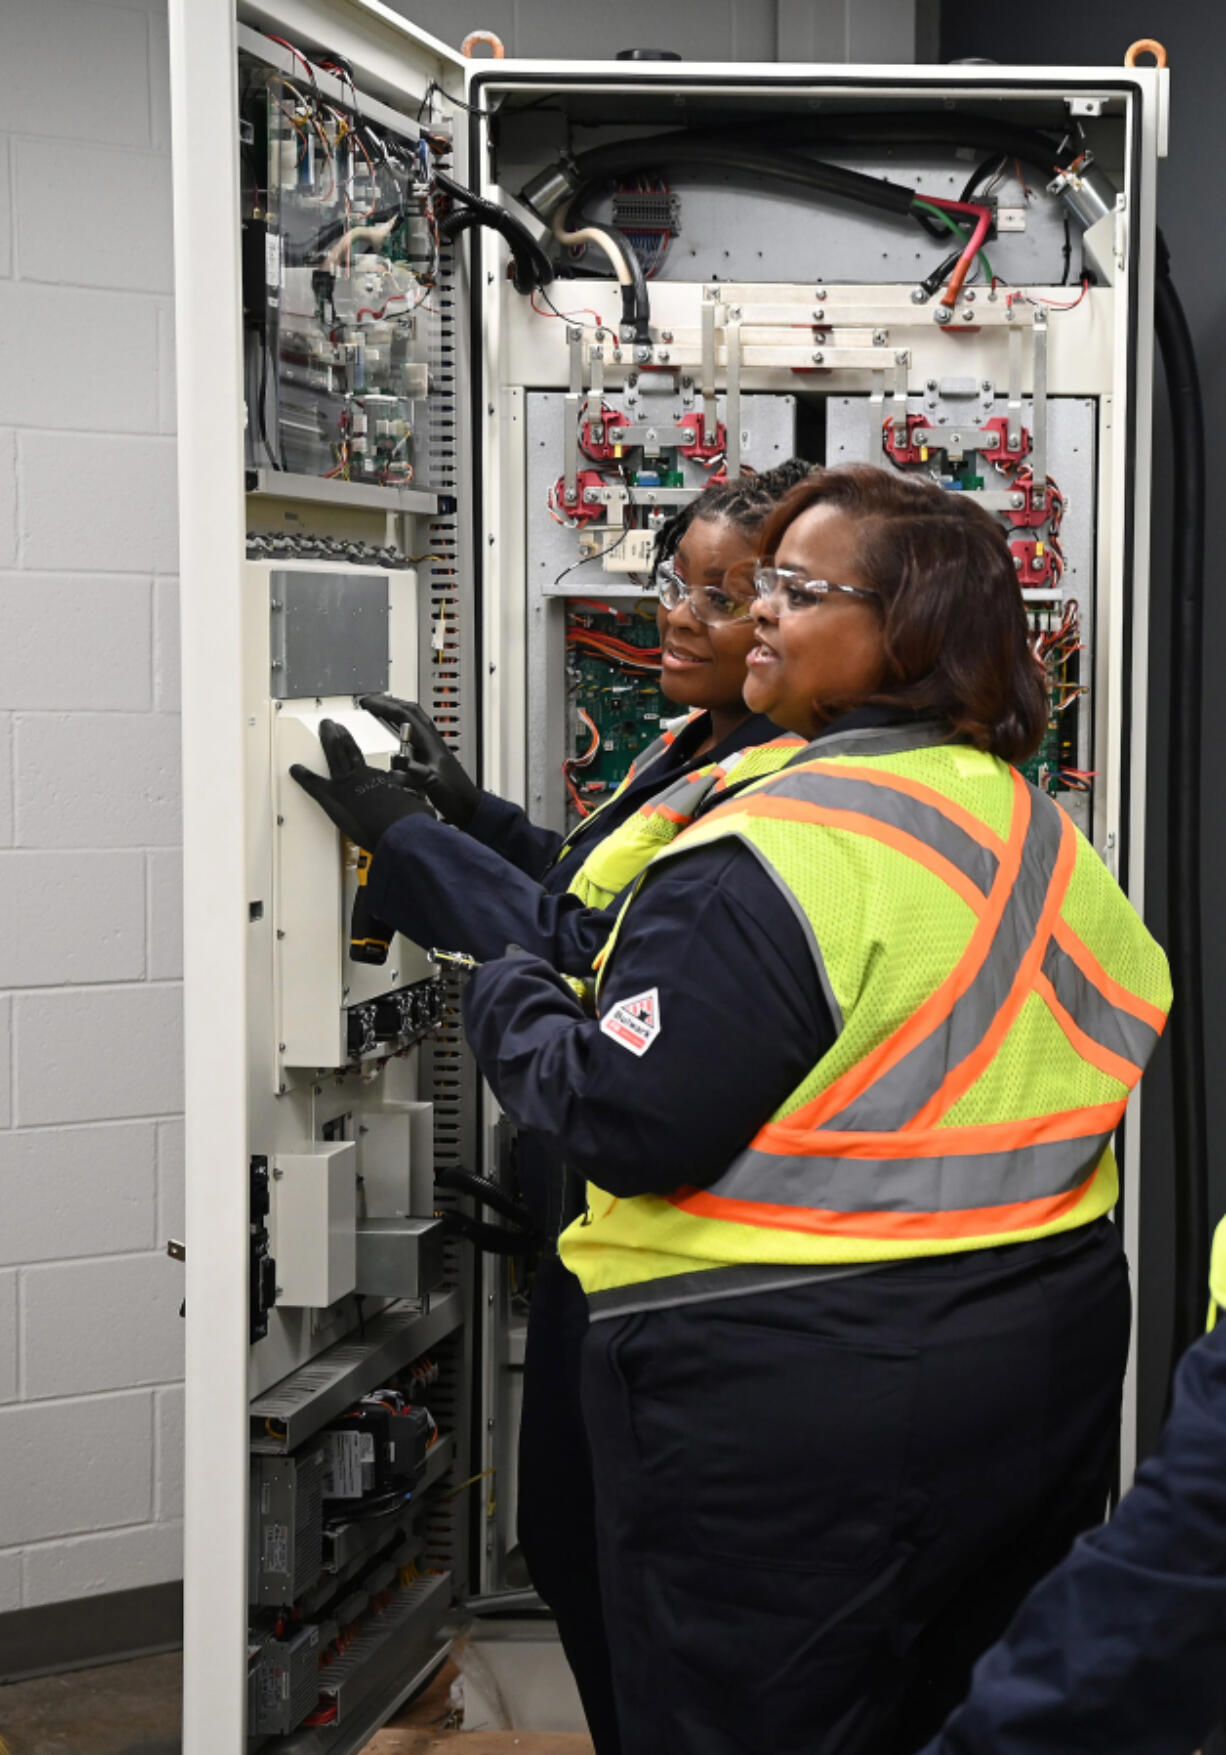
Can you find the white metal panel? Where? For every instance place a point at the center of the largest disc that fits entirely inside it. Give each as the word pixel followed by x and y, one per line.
pixel 1082 343
pixel 314 1213
pixel 234 1105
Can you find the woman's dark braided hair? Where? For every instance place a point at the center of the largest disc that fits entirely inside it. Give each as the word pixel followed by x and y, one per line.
pixel 746 501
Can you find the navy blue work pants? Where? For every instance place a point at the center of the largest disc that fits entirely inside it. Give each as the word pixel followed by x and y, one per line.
pixel 817 1507
pixel 556 1512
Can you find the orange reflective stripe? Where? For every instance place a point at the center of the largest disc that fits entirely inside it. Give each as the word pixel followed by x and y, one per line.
pixel 1028 1215
pixel 669 815
pixel 786 1140
pixel 1092 969
pixel 1114 1065
pixel 937 1007
pixel 965 819
pixel 960 1078
pixel 796 810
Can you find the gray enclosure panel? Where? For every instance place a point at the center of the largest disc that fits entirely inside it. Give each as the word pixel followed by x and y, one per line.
pixel 329 633
pixel 853 434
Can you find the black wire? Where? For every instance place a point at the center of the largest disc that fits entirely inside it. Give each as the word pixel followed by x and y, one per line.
pixel 1068 252
pixel 1185 924
pixel 584 559
pixel 990 168
pixel 542 294
pixel 434 86
pixel 274 457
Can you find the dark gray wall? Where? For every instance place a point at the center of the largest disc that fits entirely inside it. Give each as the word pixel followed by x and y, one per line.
pixel 706 30
pixel 1194 32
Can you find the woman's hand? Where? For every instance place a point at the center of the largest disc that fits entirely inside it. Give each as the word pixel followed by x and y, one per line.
pixel 362 801
pixel 431 770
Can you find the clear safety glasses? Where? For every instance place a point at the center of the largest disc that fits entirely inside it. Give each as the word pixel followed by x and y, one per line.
pixel 787 591
pixel 709 603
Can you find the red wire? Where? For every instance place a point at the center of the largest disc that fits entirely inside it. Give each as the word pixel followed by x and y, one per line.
pixel 296 53
pixel 983 222
pixel 1056 305
pixel 583 311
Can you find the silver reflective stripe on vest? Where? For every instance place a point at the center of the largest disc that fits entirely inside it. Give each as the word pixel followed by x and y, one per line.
pixel 1111 1027
pixel 898 1094
pixel 899 810
pixel 686 797
pixel 954 1182
pixel 883 740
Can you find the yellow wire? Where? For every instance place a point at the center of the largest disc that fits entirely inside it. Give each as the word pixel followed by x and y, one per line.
pixel 470 1482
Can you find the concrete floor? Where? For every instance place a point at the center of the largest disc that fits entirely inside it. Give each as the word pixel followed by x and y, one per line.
pixel 133 1709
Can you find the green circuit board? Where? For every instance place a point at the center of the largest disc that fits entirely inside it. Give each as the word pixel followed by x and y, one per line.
pixel 614 703
pixel 1053 767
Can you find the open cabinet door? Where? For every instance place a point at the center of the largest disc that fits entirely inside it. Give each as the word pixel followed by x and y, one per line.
pixel 323 536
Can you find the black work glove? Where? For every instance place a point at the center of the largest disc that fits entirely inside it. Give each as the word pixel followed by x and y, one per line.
pixel 432 769
pixel 362 801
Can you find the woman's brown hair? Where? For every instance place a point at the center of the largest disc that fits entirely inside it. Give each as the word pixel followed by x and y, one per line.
pixel 957 645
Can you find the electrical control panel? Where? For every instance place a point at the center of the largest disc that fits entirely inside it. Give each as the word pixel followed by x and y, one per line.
pixel 340 255
pixel 455 342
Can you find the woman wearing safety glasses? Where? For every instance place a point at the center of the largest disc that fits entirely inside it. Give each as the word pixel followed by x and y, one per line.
pixel 858 1315
pixel 484 876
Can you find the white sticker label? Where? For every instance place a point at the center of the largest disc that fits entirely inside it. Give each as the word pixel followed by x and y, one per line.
pixel 272 259
pixel 276 1547
pixel 351 1464
pixel 635 1023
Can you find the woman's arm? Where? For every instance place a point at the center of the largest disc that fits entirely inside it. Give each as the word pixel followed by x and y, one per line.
pixel 507 830
pixel 439 887
pixel 739 1020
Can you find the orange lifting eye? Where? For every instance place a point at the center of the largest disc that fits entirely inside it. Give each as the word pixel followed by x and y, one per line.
pixel 1142 46
pixel 495 42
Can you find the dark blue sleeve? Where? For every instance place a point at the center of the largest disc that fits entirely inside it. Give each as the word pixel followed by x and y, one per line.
pixel 741 1019
pixel 1123 1647
pixel 441 888
pixel 503 826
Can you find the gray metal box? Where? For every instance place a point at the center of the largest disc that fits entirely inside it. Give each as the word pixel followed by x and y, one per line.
pixel 328 633
pixel 399 1258
pixel 285 1527
pixel 282 1684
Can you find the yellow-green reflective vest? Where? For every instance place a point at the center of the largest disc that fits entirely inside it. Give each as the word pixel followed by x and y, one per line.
pixel 995 996
pixel 1217 1275
pixel 612 866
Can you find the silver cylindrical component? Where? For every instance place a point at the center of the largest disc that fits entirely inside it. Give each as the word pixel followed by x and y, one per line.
pixel 1086 190
pixel 550 189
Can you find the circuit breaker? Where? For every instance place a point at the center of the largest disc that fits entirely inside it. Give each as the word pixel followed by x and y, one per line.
pixel 455 342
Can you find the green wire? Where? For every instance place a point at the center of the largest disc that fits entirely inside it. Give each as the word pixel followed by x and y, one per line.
pixel 962 236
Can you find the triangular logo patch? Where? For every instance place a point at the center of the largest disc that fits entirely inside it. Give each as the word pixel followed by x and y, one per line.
pixel 635 1023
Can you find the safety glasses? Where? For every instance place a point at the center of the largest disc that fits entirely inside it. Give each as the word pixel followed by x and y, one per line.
pixel 709 603
pixel 786 591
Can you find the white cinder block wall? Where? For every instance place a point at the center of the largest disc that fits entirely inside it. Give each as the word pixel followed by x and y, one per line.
pixel 91 1167
pixel 90 958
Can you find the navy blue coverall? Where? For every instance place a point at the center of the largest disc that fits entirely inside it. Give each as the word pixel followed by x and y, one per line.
pixel 784 1573
pixel 500 882
pixel 1123 1648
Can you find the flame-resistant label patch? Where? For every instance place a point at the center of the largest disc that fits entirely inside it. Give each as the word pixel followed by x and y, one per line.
pixel 635 1023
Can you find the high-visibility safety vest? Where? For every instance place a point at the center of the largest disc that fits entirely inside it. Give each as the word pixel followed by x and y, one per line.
pixel 1217 1275
pixel 613 866
pixel 995 998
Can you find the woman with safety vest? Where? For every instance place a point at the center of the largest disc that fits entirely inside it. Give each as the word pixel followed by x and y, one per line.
pixel 505 880
pixel 858 1316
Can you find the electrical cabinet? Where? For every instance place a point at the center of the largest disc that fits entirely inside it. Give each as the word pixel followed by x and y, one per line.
pixel 455 340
